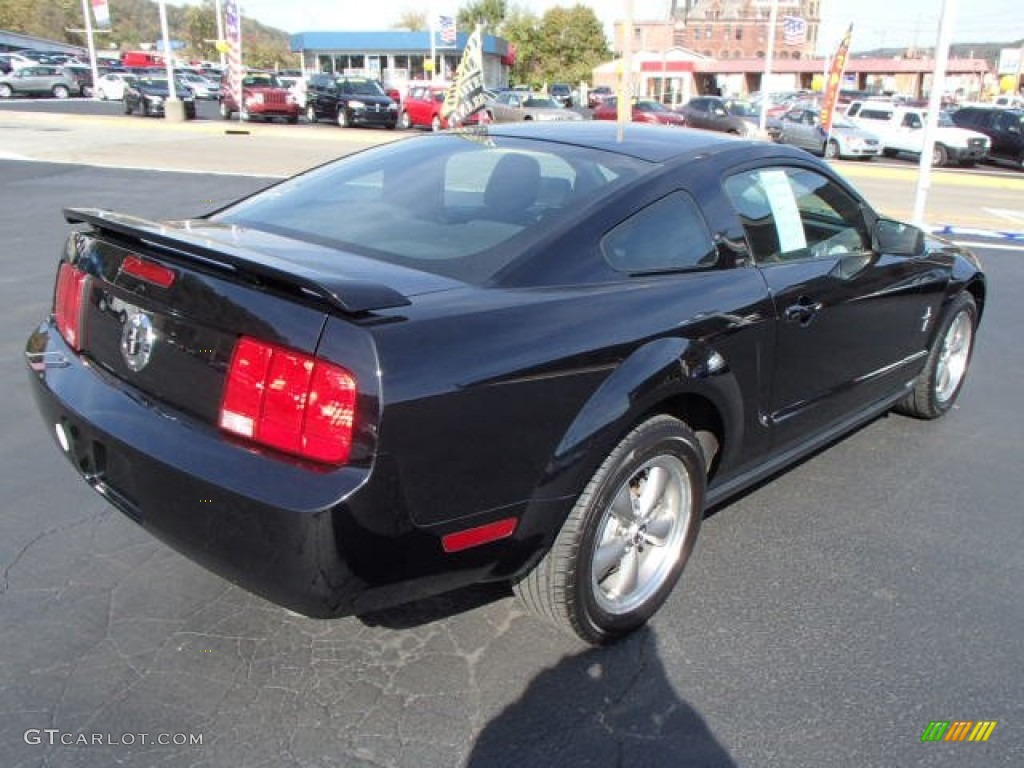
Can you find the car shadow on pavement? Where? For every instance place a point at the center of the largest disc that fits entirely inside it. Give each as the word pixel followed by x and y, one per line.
pixel 609 706
pixel 427 610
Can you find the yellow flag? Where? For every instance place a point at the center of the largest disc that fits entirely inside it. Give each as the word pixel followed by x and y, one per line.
pixel 466 93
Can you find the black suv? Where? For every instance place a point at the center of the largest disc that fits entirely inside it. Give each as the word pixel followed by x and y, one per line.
pixel 1004 127
pixel 349 101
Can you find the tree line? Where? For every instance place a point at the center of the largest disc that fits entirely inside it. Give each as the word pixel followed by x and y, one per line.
pixel 564 44
pixel 137 22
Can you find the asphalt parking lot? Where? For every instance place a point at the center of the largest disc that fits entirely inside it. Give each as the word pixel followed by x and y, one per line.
pixel 825 619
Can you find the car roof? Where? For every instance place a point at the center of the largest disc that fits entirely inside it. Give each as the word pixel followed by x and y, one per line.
pixel 656 144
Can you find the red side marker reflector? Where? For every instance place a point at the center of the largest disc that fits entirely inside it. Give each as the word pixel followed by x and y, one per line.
pixel 148 271
pixel 482 534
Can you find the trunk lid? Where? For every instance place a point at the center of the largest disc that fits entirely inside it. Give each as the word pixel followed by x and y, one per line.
pixel 165 303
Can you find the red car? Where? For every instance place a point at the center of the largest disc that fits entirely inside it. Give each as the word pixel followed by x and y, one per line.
pixel 263 96
pixel 422 108
pixel 644 111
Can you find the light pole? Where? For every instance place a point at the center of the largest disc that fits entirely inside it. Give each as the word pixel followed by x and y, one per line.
pixel 92 46
pixel 174 109
pixel 773 17
pixel 934 104
pixel 220 33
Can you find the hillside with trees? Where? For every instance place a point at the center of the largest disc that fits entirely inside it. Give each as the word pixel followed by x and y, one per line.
pixel 135 23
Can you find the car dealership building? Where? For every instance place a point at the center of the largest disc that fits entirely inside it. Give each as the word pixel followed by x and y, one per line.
pixel 397 56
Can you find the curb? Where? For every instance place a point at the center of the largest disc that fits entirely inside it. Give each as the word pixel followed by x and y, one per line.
pixel 951 231
pixel 212 128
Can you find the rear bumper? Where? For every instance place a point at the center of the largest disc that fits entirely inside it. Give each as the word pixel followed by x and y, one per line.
pixel 321 542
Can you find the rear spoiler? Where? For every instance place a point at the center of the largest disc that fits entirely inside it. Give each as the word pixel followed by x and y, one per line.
pixel 349 295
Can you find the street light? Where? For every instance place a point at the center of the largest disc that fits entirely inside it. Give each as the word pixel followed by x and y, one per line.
pixel 174 109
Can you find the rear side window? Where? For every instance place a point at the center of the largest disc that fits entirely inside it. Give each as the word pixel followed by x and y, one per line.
pixel 667 236
pixel 789 214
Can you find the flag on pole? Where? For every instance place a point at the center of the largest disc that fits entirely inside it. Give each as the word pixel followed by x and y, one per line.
pixel 465 95
pixel 835 78
pixel 794 30
pixel 101 12
pixel 233 35
pixel 444 32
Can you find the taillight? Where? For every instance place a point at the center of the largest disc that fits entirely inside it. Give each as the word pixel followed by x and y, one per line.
pixel 290 401
pixel 67 304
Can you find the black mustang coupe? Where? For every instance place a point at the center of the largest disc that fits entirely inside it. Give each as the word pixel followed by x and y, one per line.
pixel 533 354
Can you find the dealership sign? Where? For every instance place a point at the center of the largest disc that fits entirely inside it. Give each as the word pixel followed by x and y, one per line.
pixel 1010 61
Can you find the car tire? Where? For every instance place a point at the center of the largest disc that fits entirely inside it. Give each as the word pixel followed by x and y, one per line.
pixel 404 121
pixel 832 150
pixel 342 118
pixel 311 113
pixel 225 113
pixel 435 123
pixel 940 156
pixel 889 152
pixel 6 91
pixel 60 92
pixel 621 551
pixel 292 119
pixel 936 388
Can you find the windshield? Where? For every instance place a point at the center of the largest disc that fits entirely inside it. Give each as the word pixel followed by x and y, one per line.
pixel 365 87
pixel 649 105
pixel 741 108
pixel 261 81
pixel 541 102
pixel 460 205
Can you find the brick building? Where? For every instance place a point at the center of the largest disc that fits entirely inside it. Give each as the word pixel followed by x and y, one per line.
pixel 725 29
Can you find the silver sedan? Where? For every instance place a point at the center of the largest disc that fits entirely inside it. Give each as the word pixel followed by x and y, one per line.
pixel 518 106
pixel 802 128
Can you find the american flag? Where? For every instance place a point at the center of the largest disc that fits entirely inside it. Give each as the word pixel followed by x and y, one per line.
pixel 446 30
pixel 794 30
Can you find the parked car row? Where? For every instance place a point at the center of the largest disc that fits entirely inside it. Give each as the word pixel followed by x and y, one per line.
pixel 864 128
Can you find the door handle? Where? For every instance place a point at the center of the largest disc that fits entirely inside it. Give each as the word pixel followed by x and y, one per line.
pixel 803 312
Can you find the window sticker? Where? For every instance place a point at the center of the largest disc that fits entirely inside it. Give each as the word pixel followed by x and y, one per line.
pixel 788 223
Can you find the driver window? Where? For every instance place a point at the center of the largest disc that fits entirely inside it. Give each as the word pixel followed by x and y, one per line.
pixel 790 214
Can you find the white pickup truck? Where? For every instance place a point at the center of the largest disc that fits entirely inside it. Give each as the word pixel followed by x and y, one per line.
pixel 901 129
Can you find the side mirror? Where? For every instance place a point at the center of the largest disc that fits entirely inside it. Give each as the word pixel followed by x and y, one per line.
pixel 896 238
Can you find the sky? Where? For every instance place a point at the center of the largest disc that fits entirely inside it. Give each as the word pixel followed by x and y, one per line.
pixel 877 23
